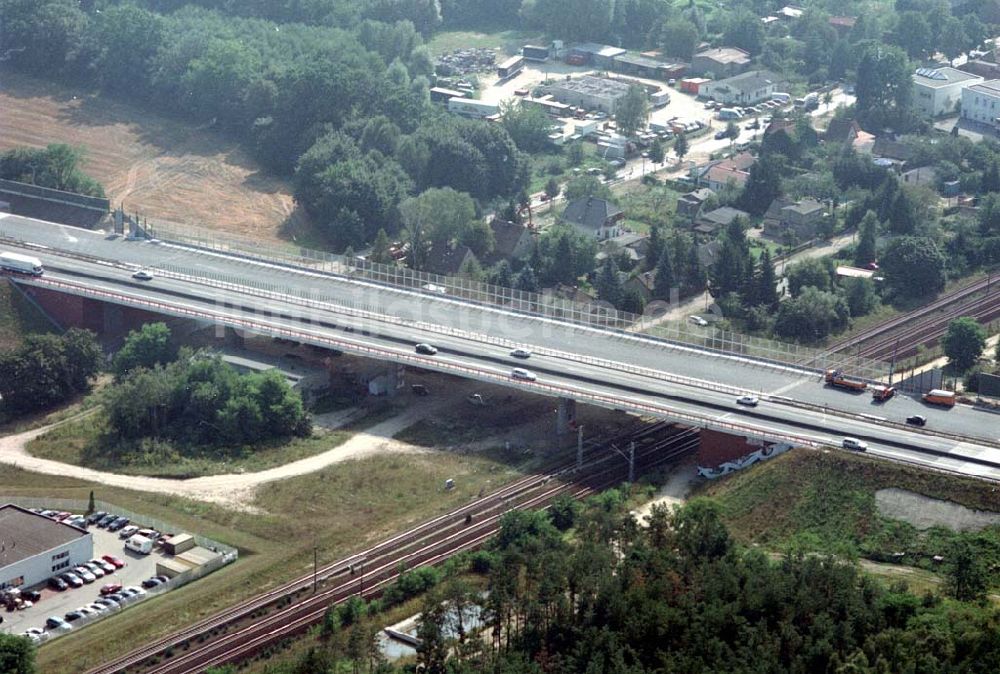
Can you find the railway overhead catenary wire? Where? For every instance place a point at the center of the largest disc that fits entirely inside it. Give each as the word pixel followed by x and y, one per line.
pixel 429 543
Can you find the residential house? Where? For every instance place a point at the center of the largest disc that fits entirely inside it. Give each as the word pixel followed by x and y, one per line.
pixel 790 12
pixel 981 103
pixel 689 205
pixel 842 24
pixel 448 260
pixel 511 241
pixel 708 253
pixel 780 124
pixel 632 244
pixel 642 283
pixel 567 293
pixel 936 91
pixel 720 61
pixel 842 131
pixel 794 220
pixel 707 224
pixel 735 171
pixel 594 217
pixel 743 89
pixel 892 150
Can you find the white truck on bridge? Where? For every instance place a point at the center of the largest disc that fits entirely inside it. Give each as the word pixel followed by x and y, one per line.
pixel 23 264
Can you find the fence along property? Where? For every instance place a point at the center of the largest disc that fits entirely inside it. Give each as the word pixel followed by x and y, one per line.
pixel 596 315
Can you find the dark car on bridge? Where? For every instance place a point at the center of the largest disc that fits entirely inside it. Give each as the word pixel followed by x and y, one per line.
pixel 916 420
pixel 426 349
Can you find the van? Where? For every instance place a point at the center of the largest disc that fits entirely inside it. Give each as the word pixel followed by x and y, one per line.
pixel 781 97
pixel 730 113
pixel 855 444
pixel 139 544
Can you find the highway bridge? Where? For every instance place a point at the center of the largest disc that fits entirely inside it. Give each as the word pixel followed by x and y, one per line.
pixel 603 367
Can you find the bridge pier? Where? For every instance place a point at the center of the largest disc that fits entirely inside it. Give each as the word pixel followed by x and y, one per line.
pixel 233 339
pixel 566 417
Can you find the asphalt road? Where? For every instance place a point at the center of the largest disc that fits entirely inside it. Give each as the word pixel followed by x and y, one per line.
pixel 563 346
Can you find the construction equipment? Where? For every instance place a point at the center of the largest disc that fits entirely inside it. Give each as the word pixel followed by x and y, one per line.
pixel 882 393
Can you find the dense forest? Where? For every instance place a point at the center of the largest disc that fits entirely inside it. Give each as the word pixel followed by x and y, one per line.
pixel 588 590
pixel 343 106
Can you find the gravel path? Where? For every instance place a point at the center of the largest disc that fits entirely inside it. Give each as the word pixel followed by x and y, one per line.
pixel 232 490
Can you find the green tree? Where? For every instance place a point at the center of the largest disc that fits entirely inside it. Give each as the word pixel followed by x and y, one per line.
pixel 763 185
pixel 48 369
pixel 866 251
pixel 584 186
pixel 861 296
pixel 681 146
pixel 812 315
pixel 17 655
pixel 91 507
pixel 380 248
pixel 679 38
pixel 607 283
pixel 765 285
pixel 913 34
pixel 732 131
pixel 914 266
pixel 884 86
pixel 744 30
pixel 966 578
pixel 529 127
pixel 527 281
pixel 964 342
pixel 552 190
pixel 664 281
pixel 813 272
pixel 632 111
pixel 733 268
pixel 902 213
pixel 147 347
pixel 445 214
pixel 657 154
pixel 654 247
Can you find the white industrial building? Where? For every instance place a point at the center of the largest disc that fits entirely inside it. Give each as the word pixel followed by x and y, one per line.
pixel 470 107
pixel 34 548
pixel 744 89
pixel 937 90
pixel 981 102
pixel 589 92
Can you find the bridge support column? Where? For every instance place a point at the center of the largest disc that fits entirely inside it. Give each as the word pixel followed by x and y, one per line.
pixel 566 418
pixel 233 338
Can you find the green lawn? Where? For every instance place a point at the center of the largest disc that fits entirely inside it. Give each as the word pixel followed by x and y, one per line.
pixel 825 502
pixel 509 41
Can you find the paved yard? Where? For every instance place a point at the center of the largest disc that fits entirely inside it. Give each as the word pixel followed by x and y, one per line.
pixel 137 569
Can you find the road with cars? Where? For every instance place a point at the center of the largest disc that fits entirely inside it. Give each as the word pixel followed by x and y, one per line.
pixel 605 368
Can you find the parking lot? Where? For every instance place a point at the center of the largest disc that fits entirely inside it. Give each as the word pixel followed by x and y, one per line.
pixel 137 569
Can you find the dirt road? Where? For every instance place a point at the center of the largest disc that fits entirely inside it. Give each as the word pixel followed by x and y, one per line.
pixel 232 490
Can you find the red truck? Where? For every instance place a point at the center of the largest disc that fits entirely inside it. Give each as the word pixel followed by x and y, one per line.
pixel 882 393
pixel 838 379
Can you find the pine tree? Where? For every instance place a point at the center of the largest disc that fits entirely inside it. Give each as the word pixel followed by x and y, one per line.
pixel 380 248
pixel 609 288
pixel 91 506
pixel 902 214
pixel 527 281
pixel 765 286
pixel 664 281
pixel 991 177
pixel 866 252
pixel 564 262
pixel 504 275
pixel 655 248
pixel 681 146
pixel 695 277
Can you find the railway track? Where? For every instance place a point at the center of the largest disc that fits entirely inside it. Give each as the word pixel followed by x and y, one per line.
pixel 291 608
pixel 925 325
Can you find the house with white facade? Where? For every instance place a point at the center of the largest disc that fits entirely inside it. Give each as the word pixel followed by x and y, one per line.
pixel 744 89
pixel 937 90
pixel 981 103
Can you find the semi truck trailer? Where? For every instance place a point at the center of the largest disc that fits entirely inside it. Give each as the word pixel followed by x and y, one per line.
pixel 22 264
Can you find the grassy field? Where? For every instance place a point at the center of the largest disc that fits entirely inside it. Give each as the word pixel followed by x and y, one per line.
pixel 80 443
pixel 18 317
pixel 160 167
pixel 825 502
pixel 508 41
pixel 339 510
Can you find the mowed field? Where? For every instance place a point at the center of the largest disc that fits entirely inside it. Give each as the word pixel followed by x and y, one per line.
pixel 160 167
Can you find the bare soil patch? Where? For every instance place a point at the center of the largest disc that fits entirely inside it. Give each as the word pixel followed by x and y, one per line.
pixel 160 167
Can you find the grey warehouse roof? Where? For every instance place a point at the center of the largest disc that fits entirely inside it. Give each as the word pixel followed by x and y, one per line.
pixel 593 85
pixel 24 534
pixel 941 77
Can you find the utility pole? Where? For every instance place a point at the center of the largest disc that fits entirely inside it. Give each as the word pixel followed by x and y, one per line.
pixel 315 566
pixel 631 462
pixel 579 447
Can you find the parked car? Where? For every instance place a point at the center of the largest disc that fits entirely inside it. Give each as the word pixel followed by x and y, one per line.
pixel 60 516
pixel 56 623
pixel 34 634
pixel 135 591
pixel 94 518
pixel 84 574
pixel 151 582
pixel 698 320
pixel 719 135
pixel 520 353
pixel 118 524
pixel 48 513
pixel 33 596
pixel 128 531
pixel 749 401
pixel 106 603
pixel 94 569
pixel 426 349
pixel 86 611
pixel 72 579
pixel 73 615
pixel 58 584
pixel 522 374
pixel 113 561
pixel 417 389
pixel 142 275
pixel 104 566
pixel 106 520
pixel 916 420
pixel 111 588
